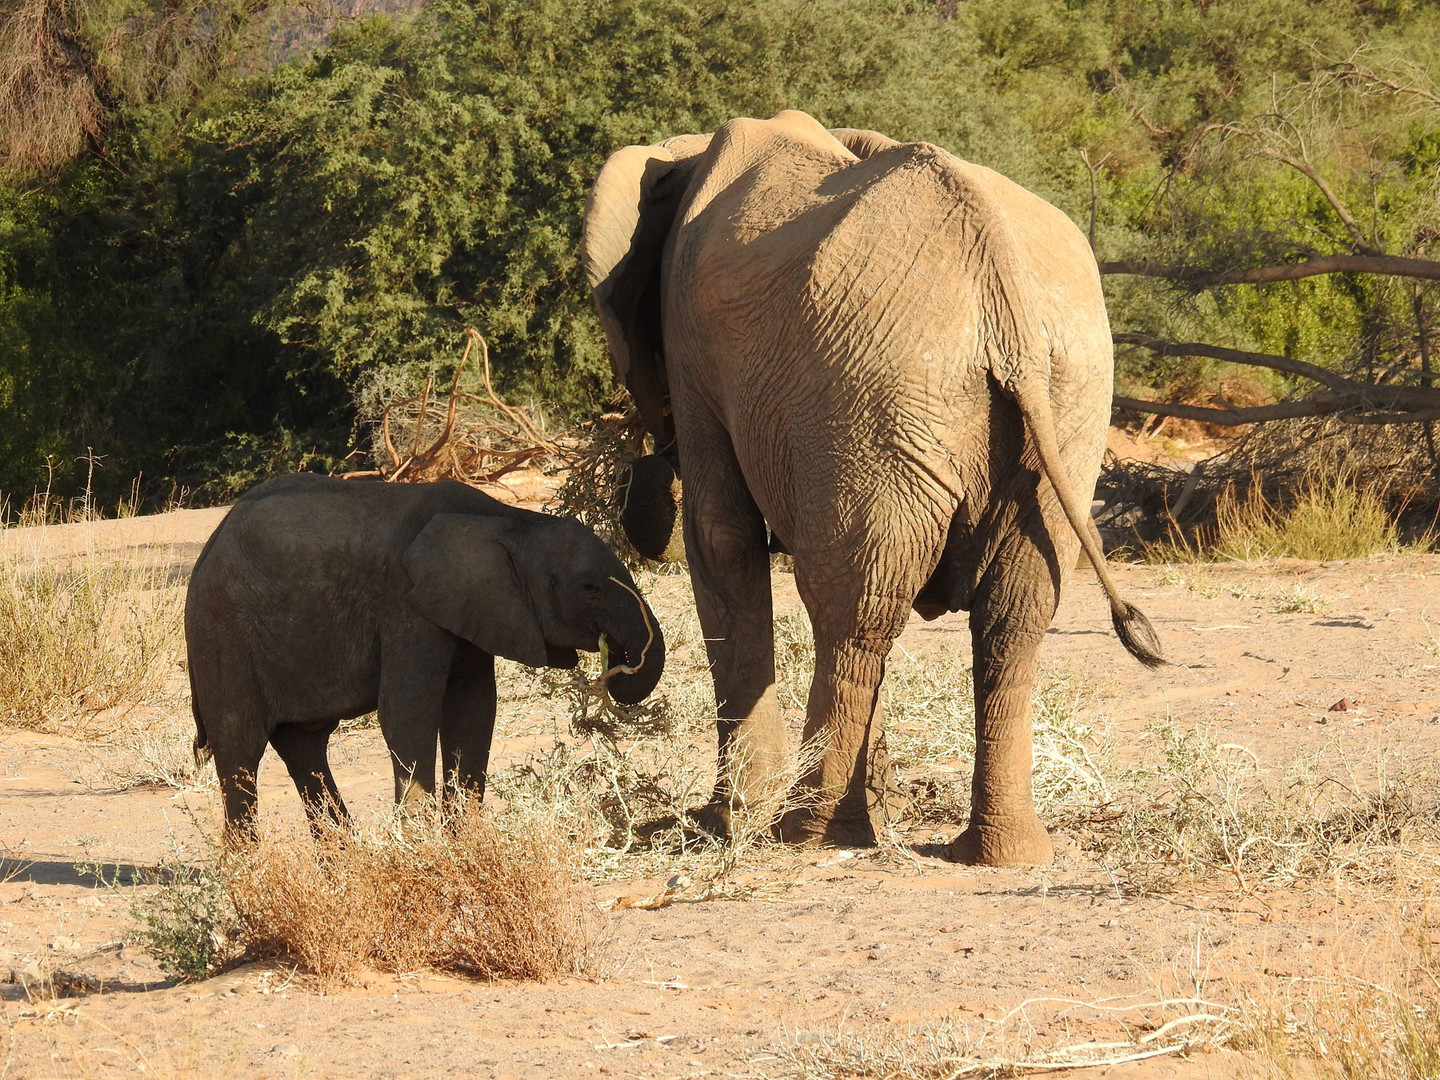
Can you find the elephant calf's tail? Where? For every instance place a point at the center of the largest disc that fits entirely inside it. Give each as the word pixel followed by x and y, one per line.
pixel 1131 625
pixel 201 748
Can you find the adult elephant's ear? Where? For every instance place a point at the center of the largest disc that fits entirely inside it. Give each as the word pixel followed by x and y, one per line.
pixel 863 143
pixel 631 209
pixel 463 579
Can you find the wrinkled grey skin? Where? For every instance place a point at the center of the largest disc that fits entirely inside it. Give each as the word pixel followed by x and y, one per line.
pixel 900 363
pixel 319 599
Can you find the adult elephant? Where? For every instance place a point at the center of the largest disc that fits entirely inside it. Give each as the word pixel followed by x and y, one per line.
pixel 898 361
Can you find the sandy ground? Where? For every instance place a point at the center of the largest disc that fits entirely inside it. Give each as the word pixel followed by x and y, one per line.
pixel 873 943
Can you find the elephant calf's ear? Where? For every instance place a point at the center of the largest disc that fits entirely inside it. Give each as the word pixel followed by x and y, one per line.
pixel 464 581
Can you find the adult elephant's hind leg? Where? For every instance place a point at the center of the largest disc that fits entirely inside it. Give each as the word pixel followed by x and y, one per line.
pixel 730 569
pixel 303 749
pixel 1013 606
pixel 850 794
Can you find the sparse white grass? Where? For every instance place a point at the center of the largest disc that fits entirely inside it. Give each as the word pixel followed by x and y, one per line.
pixel 1195 807
pixel 1299 600
pixel 930 720
pixel 150 748
pixel 1027 1039
pixel 1199 580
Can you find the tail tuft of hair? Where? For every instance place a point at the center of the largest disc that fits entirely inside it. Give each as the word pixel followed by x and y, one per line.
pixel 1138 636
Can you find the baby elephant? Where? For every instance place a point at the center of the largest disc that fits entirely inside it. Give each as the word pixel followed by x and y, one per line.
pixel 318 599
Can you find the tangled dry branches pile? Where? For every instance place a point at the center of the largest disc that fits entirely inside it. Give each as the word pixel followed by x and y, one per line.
pixel 475 438
pixel 1280 466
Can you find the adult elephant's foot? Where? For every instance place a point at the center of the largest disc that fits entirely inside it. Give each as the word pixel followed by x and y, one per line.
pixel 1017 841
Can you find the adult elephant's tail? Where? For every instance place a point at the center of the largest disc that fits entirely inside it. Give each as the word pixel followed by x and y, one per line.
pixel 1131 625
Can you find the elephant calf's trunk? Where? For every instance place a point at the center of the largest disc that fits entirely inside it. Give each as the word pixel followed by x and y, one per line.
pixel 634 634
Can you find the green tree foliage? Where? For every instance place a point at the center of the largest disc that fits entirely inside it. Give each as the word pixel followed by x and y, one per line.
pixel 206 292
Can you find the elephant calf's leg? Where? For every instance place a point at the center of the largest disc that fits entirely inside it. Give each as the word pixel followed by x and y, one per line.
pixel 415 663
pixel 468 721
pixel 303 749
pixel 237 764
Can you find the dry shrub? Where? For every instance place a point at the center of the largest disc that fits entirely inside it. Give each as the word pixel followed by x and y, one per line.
pixel 1174 514
pixel 83 636
pixel 1327 514
pixel 50 97
pixel 493 896
pixel 1390 461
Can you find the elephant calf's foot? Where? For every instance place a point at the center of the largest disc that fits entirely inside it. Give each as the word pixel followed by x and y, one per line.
pixel 806 827
pixel 1020 841
pixel 713 818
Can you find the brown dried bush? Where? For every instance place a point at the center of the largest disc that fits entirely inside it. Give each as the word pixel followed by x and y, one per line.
pixel 485 895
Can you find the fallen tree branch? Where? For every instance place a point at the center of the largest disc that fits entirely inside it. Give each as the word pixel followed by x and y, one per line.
pixel 1306 370
pixel 1402 405
pixel 1391 265
pixel 475 456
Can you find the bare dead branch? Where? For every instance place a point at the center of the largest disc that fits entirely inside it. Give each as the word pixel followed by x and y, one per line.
pixel 1424 341
pixel 521 420
pixel 1428 416
pixel 1369 81
pixel 1361 404
pixel 1305 370
pixel 1093 168
pixel 424 404
pixel 1230 417
pixel 1303 166
pixel 1192 277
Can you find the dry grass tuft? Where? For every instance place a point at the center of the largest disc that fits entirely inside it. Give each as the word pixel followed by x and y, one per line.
pixel 82 637
pixel 1330 517
pixel 1329 514
pixel 1343 1027
pixel 492 896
